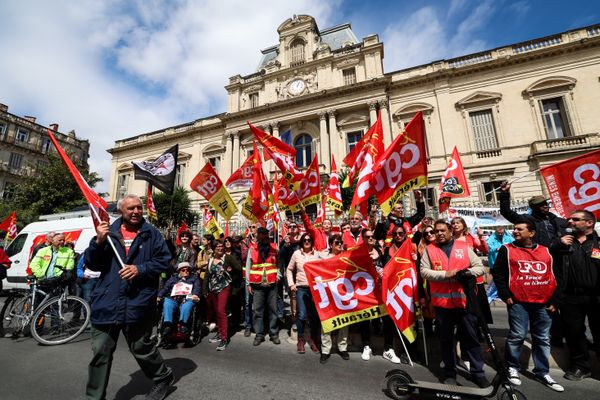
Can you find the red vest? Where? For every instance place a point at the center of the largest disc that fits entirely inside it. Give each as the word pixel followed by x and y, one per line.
pixel 349 240
pixel 448 293
pixel 263 268
pixel 531 279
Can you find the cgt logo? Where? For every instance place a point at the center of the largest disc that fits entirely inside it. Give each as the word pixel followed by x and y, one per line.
pixel 536 267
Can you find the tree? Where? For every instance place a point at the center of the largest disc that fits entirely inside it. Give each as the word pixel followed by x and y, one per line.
pixel 52 190
pixel 174 209
pixel 348 193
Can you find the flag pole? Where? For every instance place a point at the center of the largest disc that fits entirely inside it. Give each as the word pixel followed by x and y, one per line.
pixel 422 328
pixel 514 180
pixel 404 345
pixel 112 245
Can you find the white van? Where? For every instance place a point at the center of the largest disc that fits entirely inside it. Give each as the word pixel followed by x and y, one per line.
pixel 78 230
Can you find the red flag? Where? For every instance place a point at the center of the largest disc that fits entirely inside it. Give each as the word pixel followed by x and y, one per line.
pixel 334 193
pixel 96 203
pixel 281 154
pixel 180 230
pixel 344 288
pixel 208 184
pixel 9 225
pixel 150 208
pixel 575 184
pixel 309 191
pixel 372 151
pixel 257 200
pixel 399 286
pixel 454 182
pixel 371 143
pixel 403 166
pixel 242 177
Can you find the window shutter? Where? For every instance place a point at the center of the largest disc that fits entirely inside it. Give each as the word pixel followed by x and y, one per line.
pixel 484 132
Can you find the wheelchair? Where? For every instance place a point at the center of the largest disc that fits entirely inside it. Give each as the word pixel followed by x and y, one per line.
pixel 190 339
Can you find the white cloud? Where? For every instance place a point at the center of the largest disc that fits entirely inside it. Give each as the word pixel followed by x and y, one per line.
pixel 88 65
pixel 428 35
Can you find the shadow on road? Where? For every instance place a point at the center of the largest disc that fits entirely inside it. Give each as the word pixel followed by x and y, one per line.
pixel 139 385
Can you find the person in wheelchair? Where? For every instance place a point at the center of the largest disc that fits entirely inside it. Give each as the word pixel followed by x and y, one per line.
pixel 181 291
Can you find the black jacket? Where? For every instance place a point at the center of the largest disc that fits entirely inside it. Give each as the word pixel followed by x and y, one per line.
pixel 173 280
pixel 549 228
pixel 382 228
pixel 577 273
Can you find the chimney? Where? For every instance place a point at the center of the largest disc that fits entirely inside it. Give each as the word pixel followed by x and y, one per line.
pixel 29 118
pixel 3 107
pixel 54 127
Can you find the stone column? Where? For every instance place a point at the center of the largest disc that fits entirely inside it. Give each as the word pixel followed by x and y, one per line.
pixel 275 127
pixel 385 122
pixel 236 150
pixel 372 112
pixel 225 171
pixel 336 141
pixel 325 154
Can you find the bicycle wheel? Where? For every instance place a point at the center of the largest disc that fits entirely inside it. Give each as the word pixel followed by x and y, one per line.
pixel 15 314
pixel 60 320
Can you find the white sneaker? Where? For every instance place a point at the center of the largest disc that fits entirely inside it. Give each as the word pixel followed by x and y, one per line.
pixel 390 355
pixel 551 383
pixel 513 376
pixel 366 353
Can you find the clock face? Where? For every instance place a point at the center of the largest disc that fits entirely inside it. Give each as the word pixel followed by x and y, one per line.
pixel 297 86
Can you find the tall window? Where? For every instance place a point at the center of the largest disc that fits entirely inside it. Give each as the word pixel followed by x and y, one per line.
pixel 297 49
pixel 554 113
pixel 22 135
pixel 122 185
pixel 303 146
pixel 179 175
pixel 490 191
pixel 349 76
pixel 2 130
pixel 215 162
pixel 253 98
pixel 15 161
pixel 8 193
pixel 353 138
pixel 484 131
pixel 45 145
pixel 429 196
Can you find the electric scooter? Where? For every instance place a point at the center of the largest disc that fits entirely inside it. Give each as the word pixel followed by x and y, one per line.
pixel 400 386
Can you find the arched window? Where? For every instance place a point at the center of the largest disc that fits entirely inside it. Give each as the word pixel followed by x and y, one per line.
pixel 297 48
pixel 303 146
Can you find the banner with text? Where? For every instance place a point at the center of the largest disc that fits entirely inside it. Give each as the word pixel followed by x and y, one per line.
pixel 344 288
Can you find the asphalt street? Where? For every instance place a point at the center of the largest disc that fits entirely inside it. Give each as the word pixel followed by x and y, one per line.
pixel 32 371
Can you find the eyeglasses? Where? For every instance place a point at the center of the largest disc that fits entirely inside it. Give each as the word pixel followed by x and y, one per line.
pixel 577 219
pixel 399 233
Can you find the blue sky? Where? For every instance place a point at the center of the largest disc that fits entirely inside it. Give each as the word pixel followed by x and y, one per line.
pixel 114 69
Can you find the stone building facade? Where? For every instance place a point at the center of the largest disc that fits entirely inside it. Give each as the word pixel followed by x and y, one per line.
pixel 508 110
pixel 24 149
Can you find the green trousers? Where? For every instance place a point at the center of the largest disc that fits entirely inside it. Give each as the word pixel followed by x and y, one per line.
pixel 104 343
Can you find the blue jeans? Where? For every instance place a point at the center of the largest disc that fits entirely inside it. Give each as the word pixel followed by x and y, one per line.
pixel 248 309
pixel 87 286
pixel 185 310
pixel 264 296
pixel 306 311
pixel 520 315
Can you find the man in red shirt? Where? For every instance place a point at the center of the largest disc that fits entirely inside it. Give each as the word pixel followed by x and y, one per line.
pixel 525 281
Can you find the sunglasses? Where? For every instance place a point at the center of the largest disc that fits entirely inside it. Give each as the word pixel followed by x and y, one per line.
pixel 293 226
pixel 337 242
pixel 252 227
pixel 577 219
pixel 369 236
pixel 429 233
pixel 308 240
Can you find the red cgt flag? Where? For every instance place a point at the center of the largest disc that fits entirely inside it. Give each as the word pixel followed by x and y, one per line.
pixel 242 177
pixel 403 166
pixel 150 208
pixel 454 182
pixel 399 286
pixel 334 194
pixel 9 225
pixel 372 152
pixel 575 184
pixel 96 203
pixel 344 288
pixel 309 191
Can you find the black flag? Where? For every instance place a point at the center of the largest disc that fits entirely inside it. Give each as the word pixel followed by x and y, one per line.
pixel 160 172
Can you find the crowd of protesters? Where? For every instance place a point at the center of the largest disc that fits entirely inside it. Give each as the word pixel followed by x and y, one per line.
pixel 240 282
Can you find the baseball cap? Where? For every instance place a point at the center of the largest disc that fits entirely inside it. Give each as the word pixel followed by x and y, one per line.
pixel 537 200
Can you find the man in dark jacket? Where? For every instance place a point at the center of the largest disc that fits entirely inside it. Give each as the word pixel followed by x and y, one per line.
pixel 578 291
pixel 384 229
pixel 548 226
pixel 124 298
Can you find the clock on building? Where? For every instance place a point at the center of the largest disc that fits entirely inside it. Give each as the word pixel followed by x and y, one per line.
pixel 297 86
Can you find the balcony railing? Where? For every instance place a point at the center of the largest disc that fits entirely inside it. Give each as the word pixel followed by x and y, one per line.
pixel 489 153
pixel 566 143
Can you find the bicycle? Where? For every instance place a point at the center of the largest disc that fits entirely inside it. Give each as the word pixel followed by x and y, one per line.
pixel 57 319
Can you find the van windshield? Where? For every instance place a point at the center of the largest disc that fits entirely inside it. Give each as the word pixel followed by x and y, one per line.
pixel 16 245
